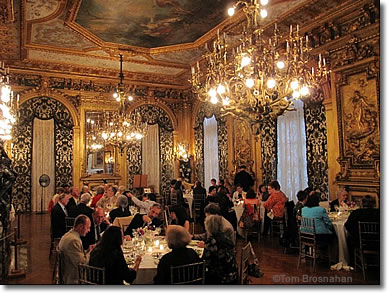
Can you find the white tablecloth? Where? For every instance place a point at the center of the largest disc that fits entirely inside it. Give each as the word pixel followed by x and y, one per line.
pixel 189 197
pixel 343 254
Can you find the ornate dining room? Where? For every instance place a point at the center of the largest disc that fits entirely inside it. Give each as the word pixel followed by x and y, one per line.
pixel 175 122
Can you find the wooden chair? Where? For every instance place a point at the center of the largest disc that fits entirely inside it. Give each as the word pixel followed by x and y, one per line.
pixel 53 243
pixel 308 245
pixel 188 274
pixel 369 234
pixel 89 275
pixel 199 199
pixel 245 254
pixel 123 222
pixel 69 222
pixel 57 278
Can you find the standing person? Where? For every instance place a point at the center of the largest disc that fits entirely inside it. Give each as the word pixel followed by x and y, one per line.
pixel 145 204
pixel 71 250
pixel 219 255
pixel 75 194
pixel 276 202
pixel 55 198
pixel 244 178
pixel 109 255
pixel 58 215
pixel 177 195
pixel 177 239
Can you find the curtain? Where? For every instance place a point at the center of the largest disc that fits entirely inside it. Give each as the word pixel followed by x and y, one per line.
pixel 151 157
pixel 292 163
pixel 43 162
pixel 210 150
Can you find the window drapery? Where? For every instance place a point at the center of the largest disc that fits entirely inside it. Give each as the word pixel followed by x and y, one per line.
pixel 292 163
pixel 210 150
pixel 151 157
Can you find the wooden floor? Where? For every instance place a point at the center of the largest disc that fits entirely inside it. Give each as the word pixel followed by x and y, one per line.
pixel 278 267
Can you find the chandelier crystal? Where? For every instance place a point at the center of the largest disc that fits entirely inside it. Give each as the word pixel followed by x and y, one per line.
pixel 261 77
pixel 120 129
pixel 8 104
pixel 94 140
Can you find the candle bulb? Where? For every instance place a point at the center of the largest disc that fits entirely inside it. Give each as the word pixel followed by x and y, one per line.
pixel 291 30
pixel 156 242
pixel 161 246
pixel 149 249
pixel 192 70
pixel 324 62
pixel 276 26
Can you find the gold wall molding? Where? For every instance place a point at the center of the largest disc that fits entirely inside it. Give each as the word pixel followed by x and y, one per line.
pixel 6 12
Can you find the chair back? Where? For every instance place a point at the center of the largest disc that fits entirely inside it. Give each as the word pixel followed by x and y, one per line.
pixel 69 222
pixel 188 274
pixel 199 199
pixel 123 222
pixel 307 226
pixel 57 272
pixel 369 234
pixel 89 275
pixel 245 253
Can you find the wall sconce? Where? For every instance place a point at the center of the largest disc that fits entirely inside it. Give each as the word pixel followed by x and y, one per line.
pixel 181 153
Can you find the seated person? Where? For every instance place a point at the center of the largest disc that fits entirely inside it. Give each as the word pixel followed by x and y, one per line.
pixel 323 226
pixel 262 192
pixel 276 202
pixel 122 209
pixel 180 217
pixel 368 213
pixel 99 194
pixel 99 225
pixel 58 214
pixel 297 212
pixel 226 207
pixel 214 209
pixel 71 250
pixel 341 201
pixel 141 220
pixel 251 209
pixel 145 204
pixel 109 255
pixel 219 254
pixel 177 239
pixel 54 199
pixel 108 201
pixel 239 193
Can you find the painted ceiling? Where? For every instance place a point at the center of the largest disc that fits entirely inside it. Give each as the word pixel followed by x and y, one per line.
pixel 160 39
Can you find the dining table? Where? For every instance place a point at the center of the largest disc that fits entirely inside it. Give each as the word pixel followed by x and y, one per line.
pixel 188 195
pixel 151 253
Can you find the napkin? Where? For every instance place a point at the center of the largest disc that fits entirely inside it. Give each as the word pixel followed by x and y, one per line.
pixel 339 266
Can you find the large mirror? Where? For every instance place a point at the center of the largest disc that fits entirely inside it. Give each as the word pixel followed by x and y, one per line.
pixel 100 158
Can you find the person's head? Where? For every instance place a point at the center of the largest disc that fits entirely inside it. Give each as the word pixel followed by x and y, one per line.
pixel 100 190
pixel 251 194
pixel 221 182
pixel 173 182
pixel 149 196
pixel 178 185
pixel 342 194
pixel 368 202
pixel 213 182
pixel 121 189
pixel 243 167
pixel 59 190
pixel 122 201
pixel 273 186
pixel 85 198
pixel 154 211
pixel 98 215
pixel 111 191
pixel 84 189
pixel 308 190
pixel 239 188
pixel 222 189
pixel 66 189
pixel 75 191
pixel 82 224
pixel 63 198
pixel 212 209
pixel 262 188
pixel 313 200
pixel 213 225
pixel 301 195
pixel 111 239
pixel 178 213
pixel 177 237
pixel 212 190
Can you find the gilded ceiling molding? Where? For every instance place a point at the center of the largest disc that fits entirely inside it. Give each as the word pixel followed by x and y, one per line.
pixel 42 7
pixel 158 103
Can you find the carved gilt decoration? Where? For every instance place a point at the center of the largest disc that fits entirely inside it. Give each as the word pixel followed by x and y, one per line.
pixel 268 136
pixel 242 146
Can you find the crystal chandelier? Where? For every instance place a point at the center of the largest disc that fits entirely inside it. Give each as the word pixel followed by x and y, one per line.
pixel 94 140
pixel 260 77
pixel 8 105
pixel 120 129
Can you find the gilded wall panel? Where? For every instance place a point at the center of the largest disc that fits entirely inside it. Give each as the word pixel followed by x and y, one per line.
pixel 242 146
pixel 269 150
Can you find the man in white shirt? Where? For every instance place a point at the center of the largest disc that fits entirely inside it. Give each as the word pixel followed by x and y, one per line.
pixel 239 193
pixel 145 204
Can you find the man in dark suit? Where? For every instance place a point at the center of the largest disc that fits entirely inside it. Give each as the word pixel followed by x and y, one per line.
pixel 244 178
pixel 99 224
pixel 141 220
pixel 75 194
pixel 82 209
pixel 58 214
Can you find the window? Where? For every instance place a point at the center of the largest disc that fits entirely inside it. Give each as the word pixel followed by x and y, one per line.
pixel 210 150
pixel 292 163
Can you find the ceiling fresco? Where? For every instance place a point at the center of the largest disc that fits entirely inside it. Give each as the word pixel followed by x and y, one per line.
pixel 151 23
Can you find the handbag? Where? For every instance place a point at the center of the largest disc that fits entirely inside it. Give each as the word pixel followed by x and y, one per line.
pixel 247 221
pixel 253 268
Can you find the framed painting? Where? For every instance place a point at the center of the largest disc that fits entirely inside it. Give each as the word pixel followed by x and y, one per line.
pixel 98 160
